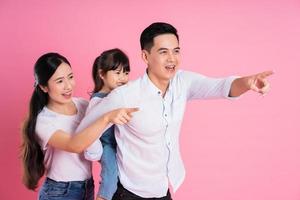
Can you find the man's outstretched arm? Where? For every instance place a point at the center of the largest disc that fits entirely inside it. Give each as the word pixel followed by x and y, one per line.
pixel 257 83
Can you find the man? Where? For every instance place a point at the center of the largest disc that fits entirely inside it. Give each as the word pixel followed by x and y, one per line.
pixel 148 154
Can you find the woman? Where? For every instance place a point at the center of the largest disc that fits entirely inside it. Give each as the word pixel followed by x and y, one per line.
pixel 50 145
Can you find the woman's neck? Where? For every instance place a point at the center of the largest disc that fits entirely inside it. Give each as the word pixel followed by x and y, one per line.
pixel 63 108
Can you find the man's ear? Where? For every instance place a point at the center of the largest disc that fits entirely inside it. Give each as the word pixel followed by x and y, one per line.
pixel 145 54
pixel 43 88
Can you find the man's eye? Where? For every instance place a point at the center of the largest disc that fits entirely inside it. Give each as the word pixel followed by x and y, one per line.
pixel 177 51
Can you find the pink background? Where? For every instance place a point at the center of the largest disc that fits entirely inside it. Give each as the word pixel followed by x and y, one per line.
pixel 233 150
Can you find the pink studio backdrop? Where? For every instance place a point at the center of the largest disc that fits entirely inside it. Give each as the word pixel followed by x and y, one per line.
pixel 233 150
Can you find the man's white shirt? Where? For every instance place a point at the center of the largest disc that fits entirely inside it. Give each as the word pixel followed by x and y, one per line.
pixel 148 152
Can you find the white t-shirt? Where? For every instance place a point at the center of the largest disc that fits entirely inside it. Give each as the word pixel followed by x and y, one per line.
pixel 62 165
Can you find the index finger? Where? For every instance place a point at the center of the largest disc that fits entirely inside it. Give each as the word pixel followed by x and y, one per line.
pixel 265 74
pixel 131 110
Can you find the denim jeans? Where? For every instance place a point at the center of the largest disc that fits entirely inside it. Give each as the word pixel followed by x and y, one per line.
pixel 109 168
pixel 73 190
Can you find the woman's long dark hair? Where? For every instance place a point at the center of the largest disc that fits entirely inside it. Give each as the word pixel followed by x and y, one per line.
pixel 108 60
pixel 32 154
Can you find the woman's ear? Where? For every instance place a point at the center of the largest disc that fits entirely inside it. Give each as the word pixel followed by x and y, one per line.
pixel 43 88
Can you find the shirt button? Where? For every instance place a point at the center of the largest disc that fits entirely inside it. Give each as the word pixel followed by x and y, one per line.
pixel 166 115
pixel 158 92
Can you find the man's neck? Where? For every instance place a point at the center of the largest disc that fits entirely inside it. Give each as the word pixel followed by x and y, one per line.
pixel 162 85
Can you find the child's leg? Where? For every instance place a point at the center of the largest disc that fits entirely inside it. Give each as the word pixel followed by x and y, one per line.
pixel 109 173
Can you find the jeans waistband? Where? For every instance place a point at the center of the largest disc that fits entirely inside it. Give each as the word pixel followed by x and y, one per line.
pixel 71 183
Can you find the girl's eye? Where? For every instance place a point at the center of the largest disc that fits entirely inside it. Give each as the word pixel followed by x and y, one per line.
pixel 59 81
pixel 71 77
pixel 163 52
pixel 118 72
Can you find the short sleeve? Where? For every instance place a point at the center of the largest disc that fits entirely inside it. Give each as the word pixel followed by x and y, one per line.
pixel 44 130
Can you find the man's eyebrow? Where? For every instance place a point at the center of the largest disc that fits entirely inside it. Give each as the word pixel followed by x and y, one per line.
pixel 163 48
pixel 160 49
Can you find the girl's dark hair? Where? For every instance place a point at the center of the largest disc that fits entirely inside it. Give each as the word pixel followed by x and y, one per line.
pixel 31 152
pixel 108 60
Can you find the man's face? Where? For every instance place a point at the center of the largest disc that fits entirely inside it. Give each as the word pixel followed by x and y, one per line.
pixel 164 58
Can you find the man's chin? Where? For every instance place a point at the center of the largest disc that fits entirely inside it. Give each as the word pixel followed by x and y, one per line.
pixel 172 74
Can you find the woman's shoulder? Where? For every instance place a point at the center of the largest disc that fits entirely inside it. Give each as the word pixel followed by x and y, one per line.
pixel 79 101
pixel 81 104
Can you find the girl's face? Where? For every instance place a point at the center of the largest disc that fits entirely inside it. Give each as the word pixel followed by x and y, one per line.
pixel 113 79
pixel 60 86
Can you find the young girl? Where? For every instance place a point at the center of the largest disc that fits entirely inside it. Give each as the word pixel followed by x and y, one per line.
pixel 49 145
pixel 110 70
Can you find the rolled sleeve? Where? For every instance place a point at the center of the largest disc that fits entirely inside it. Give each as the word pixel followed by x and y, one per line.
pixel 113 101
pixel 201 87
pixel 94 151
pixel 227 87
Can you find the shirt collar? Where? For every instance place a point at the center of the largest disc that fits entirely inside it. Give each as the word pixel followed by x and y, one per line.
pixel 149 85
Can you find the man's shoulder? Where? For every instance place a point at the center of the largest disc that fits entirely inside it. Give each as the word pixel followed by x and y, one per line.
pixel 181 73
pixel 184 75
pixel 131 87
pixel 180 76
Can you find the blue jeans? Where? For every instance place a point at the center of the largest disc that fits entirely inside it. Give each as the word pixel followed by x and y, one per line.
pixel 109 168
pixel 73 190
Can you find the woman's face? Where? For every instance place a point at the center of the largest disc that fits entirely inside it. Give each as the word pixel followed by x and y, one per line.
pixel 60 85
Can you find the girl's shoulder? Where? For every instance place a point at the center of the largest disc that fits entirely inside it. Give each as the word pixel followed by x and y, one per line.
pixel 99 95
